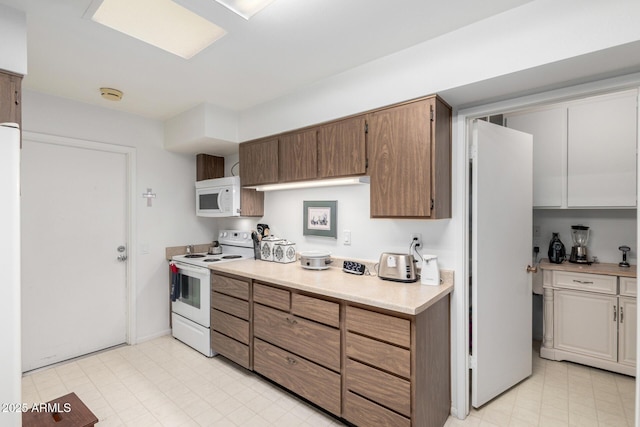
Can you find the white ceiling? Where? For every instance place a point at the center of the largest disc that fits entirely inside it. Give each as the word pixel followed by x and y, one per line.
pixel 287 46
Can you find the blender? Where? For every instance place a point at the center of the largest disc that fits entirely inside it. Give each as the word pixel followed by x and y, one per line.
pixel 580 236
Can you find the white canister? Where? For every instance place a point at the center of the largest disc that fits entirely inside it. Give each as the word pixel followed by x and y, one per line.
pixel 267 246
pixel 284 252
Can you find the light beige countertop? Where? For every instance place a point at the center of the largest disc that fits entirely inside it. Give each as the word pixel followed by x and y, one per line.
pixel 407 298
pixel 609 269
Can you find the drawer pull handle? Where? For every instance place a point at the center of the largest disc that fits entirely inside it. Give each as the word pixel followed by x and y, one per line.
pixel 292 321
pixel 621 315
pixel 291 361
pixel 615 313
pixel 584 282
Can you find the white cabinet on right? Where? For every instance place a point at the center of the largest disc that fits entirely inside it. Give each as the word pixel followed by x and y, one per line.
pixel 589 318
pixel 584 151
pixel 601 144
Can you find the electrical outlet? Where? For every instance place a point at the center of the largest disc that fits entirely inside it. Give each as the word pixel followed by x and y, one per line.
pixel 416 237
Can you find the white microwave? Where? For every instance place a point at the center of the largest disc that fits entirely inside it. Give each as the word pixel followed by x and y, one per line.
pixel 218 197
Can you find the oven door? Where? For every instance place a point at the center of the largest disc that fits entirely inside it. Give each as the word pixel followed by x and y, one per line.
pixel 195 294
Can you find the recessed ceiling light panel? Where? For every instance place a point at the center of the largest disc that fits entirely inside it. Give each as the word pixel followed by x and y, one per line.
pixel 161 23
pixel 245 8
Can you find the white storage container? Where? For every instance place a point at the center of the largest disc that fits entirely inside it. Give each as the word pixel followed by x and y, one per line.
pixel 267 246
pixel 284 252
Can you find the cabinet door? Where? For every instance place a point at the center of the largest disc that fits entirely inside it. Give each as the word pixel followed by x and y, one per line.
pixel 10 93
pixel 549 130
pixel 602 151
pixel 251 202
pixel 298 156
pixel 586 323
pixel 342 148
pixel 259 162
pixel 627 331
pixel 400 160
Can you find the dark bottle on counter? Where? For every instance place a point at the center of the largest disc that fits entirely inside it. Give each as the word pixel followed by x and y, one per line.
pixel 556 252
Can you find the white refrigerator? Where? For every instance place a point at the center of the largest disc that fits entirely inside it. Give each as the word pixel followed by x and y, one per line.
pixel 10 350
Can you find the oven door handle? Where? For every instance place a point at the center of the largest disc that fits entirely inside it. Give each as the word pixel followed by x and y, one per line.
pixel 196 270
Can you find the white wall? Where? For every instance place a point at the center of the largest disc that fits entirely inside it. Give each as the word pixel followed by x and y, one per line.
pixel 535 34
pixel 171 221
pixel 369 237
pixel 609 229
pixel 13 40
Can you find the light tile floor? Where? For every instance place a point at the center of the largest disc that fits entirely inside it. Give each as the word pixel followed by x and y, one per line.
pixel 162 382
pixel 560 394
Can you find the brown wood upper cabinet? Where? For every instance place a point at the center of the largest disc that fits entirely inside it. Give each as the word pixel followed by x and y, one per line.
pixel 342 148
pixel 410 160
pixel 259 162
pixel 298 156
pixel 10 97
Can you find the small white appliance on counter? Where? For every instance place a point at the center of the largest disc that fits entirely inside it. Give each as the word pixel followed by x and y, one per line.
pixel 218 197
pixel 191 306
pixel 430 273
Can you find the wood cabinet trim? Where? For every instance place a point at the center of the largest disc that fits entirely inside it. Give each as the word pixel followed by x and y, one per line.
pixel 234 306
pixel 231 349
pixel 234 286
pixel 314 341
pixel 231 326
pixel 316 309
pixel 271 296
pixel 382 327
pixel 295 373
pixel 395 360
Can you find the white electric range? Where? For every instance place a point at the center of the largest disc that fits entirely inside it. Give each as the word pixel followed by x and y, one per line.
pixel 191 288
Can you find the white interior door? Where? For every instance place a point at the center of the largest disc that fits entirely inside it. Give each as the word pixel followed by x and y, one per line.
pixel 501 245
pixel 74 217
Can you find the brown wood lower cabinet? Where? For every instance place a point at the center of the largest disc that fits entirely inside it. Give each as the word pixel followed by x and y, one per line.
pixel 310 380
pixel 368 367
pixel 397 369
pixel 231 318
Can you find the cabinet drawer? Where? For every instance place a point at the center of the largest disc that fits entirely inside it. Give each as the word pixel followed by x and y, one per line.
pixel 273 297
pixel 230 305
pixel 230 326
pixel 363 412
pixel 230 348
pixel 385 389
pixel 628 286
pixel 379 354
pixel 322 311
pixel 311 340
pixel 230 286
pixel 311 381
pixel 585 282
pixel 379 326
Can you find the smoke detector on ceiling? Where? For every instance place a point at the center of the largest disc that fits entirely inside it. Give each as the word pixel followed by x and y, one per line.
pixel 111 94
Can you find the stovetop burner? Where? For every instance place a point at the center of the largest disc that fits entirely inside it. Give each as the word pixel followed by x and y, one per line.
pixel 211 260
pixel 231 256
pixel 194 256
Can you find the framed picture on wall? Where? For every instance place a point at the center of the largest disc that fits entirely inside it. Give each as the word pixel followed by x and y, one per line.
pixel 320 218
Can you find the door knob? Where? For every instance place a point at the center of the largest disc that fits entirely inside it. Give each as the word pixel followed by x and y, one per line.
pixel 532 269
pixel 122 258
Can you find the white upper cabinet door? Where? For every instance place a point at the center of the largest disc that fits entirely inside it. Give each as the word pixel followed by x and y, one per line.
pixel 549 130
pixel 602 134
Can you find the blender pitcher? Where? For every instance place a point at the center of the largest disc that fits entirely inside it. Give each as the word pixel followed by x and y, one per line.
pixel 580 236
